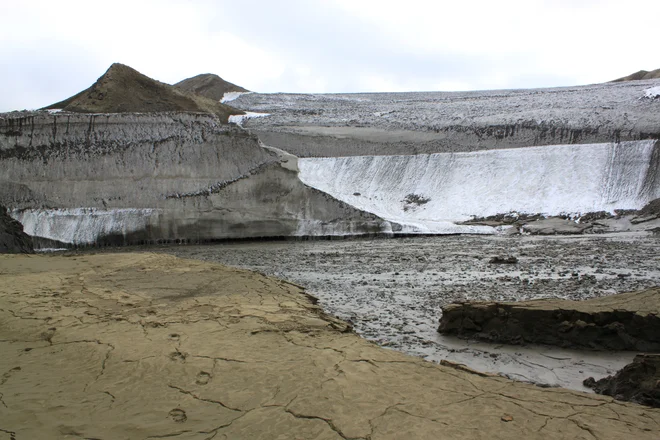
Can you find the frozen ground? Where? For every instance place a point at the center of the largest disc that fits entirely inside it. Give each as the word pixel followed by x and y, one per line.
pixel 392 289
pixel 431 122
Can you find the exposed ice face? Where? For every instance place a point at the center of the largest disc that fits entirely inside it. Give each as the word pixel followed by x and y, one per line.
pixel 238 119
pixel 429 192
pixel 82 226
pixel 652 93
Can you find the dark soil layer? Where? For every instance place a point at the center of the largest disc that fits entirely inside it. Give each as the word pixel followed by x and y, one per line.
pixel 637 382
pixel 627 321
pixel 12 238
pixel 591 222
pixel 642 74
pixel 209 85
pixel 122 89
pixel 651 209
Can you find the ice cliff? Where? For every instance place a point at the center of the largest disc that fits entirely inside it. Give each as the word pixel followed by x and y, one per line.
pixel 132 178
pixel 428 193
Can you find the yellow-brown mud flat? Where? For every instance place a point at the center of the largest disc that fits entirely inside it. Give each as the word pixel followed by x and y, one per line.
pixel 137 346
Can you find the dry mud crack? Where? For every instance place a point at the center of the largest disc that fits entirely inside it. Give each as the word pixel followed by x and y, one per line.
pixel 151 346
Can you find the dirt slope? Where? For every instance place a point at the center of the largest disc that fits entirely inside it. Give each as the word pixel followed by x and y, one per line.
pixel 209 85
pixel 642 74
pixel 123 89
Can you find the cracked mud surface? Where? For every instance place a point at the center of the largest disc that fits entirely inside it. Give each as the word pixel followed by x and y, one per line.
pixel 392 291
pixel 150 346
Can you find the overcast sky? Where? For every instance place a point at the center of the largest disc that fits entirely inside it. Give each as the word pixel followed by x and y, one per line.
pixel 52 49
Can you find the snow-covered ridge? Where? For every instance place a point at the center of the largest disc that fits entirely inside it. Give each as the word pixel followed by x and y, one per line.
pixel 427 193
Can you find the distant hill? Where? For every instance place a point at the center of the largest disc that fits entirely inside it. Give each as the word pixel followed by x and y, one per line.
pixel 209 85
pixel 642 74
pixel 123 89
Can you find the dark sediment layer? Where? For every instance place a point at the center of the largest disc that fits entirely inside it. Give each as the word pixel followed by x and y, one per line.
pixel 627 321
pixel 588 223
pixel 637 382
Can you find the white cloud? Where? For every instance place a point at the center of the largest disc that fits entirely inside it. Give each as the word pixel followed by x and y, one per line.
pixel 51 50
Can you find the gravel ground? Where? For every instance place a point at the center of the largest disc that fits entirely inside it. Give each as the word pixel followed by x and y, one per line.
pixel 392 290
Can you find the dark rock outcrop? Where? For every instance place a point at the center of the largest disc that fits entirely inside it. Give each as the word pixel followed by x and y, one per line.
pixel 637 382
pixel 627 321
pixel 12 238
pixel 122 89
pixel 208 85
pixel 649 212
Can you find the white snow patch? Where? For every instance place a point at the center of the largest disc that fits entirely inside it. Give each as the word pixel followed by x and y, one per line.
pixel 230 96
pixel 553 180
pixel 54 110
pixel 238 119
pixel 652 93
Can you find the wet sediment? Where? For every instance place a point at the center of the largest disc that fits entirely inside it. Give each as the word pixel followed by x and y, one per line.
pixel 627 321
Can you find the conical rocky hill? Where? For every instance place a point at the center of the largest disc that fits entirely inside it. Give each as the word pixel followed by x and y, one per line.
pixel 123 89
pixel 642 74
pixel 209 85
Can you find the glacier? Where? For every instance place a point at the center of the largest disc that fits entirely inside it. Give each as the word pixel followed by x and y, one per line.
pixel 431 193
pixel 133 178
pixel 361 124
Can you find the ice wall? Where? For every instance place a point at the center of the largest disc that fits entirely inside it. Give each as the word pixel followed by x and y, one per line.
pixel 119 160
pixel 270 203
pixel 84 225
pixel 132 178
pixel 427 193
